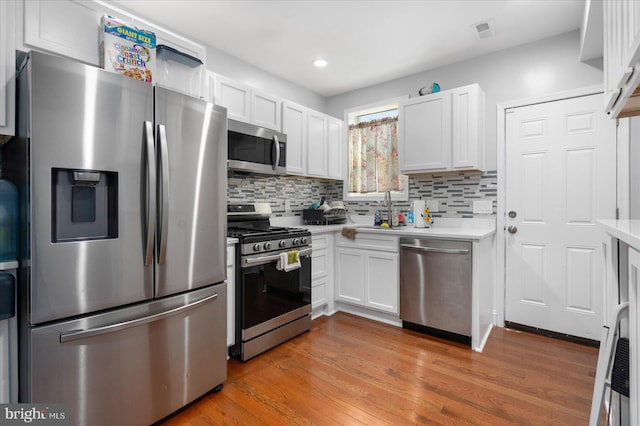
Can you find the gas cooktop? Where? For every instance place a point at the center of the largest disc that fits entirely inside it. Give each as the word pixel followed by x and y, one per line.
pixel 270 231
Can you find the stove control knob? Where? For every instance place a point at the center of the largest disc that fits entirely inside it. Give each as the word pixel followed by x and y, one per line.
pixel 282 243
pixel 303 240
pixel 256 247
pixel 296 241
pixel 267 246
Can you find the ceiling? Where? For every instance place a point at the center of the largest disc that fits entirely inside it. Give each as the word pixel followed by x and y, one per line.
pixel 365 42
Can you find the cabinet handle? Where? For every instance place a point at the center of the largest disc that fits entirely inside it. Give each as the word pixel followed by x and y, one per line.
pixel 435 249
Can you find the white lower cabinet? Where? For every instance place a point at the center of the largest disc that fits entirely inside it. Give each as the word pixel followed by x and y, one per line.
pixel 350 280
pixel 367 272
pixel 381 288
pixel 634 335
pixel 321 271
pixel 231 295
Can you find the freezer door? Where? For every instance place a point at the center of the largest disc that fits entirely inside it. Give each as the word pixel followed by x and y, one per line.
pixel 89 134
pixel 133 366
pixel 191 141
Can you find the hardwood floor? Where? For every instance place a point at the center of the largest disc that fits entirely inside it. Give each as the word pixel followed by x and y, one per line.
pixel 350 370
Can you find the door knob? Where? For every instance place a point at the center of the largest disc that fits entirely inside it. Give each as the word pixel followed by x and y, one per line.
pixel 512 229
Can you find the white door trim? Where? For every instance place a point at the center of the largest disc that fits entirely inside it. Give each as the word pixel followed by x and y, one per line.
pixel 501 169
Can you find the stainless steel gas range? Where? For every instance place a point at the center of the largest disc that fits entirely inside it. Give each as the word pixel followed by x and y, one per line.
pixel 272 304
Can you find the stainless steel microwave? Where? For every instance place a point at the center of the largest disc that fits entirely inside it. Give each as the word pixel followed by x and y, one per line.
pixel 254 149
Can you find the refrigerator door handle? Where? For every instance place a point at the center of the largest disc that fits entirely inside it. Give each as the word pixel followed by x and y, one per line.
pixel 70 336
pixel 164 212
pixel 277 145
pixel 150 196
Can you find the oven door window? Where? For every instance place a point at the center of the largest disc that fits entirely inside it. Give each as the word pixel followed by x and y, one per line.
pixel 268 293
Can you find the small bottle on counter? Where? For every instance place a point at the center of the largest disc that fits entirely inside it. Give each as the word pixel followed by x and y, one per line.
pixel 410 215
pixel 394 218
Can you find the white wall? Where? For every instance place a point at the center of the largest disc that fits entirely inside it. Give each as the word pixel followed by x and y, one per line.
pixel 543 67
pixel 239 70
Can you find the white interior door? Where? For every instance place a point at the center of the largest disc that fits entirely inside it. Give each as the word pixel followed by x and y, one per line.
pixel 560 178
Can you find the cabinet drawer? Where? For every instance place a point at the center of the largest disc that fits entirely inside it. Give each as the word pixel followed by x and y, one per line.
pixel 370 241
pixel 319 241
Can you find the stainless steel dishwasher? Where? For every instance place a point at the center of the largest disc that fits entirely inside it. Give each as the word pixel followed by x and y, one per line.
pixel 435 287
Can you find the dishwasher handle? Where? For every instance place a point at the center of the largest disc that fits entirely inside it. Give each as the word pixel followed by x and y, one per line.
pixel 434 249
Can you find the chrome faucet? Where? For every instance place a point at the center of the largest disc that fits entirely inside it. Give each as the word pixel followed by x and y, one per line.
pixel 387 200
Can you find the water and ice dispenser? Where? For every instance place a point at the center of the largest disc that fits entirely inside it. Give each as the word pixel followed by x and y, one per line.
pixel 84 205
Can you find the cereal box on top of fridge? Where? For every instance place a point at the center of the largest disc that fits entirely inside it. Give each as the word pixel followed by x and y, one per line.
pixel 126 49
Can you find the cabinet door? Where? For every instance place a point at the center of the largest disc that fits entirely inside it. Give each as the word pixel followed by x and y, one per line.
pixel 68 28
pixel 317 145
pixel 634 335
pixel 7 68
pixel 467 122
pixel 382 281
pixel 231 306
pixel 319 292
pixel 334 148
pixel 235 97
pixel 616 71
pixel 210 86
pixel 350 276
pixel 266 110
pixel 632 22
pixel 319 264
pixel 425 133
pixel 294 125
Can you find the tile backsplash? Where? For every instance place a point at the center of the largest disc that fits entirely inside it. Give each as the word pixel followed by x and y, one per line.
pixel 455 192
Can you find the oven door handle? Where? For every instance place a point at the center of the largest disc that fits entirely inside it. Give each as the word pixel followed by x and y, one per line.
pixel 261 260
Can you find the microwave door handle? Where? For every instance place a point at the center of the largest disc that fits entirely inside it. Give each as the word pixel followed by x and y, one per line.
pixel 277 145
pixel 164 212
pixel 149 198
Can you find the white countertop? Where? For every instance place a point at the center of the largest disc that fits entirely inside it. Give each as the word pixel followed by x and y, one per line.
pixel 625 230
pixel 468 229
pixel 231 240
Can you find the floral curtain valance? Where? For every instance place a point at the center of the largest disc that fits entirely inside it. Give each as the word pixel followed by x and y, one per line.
pixel 373 156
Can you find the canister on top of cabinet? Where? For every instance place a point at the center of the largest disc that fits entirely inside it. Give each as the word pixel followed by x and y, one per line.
pixel 178 70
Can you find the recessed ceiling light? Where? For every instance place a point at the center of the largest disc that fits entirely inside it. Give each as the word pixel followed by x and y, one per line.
pixel 320 63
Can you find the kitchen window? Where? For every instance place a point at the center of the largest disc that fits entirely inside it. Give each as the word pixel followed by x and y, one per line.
pixel 372 153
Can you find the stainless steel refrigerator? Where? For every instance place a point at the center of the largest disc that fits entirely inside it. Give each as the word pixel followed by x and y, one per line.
pixel 123 224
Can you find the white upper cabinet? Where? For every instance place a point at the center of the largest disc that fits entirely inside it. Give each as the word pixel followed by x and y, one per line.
pixel 71 28
pixel 467 128
pixel 317 145
pixel 443 131
pixel 294 125
pixel 48 24
pixel 314 142
pixel 335 146
pixel 235 97
pixel 7 70
pixel 424 133
pixel 247 104
pixel 265 110
pixel 621 21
